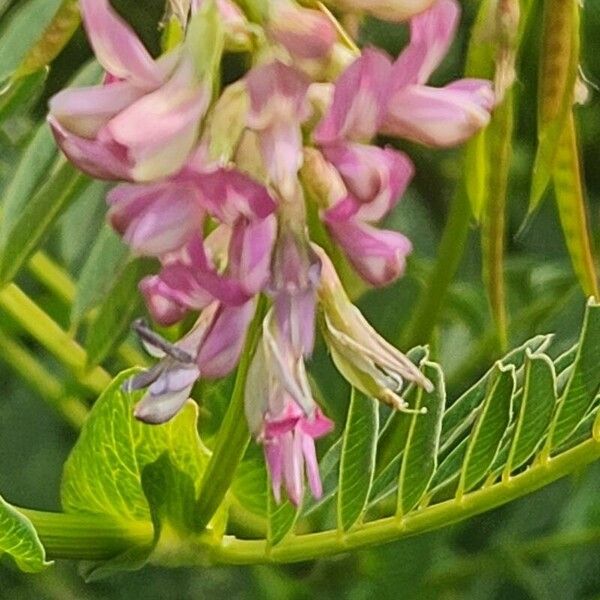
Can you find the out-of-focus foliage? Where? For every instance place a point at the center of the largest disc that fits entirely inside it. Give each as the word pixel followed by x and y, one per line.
pixel 543 546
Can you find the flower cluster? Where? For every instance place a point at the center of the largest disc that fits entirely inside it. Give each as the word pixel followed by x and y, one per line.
pixel 213 182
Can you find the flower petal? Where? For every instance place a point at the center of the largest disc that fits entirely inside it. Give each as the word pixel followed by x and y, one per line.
pixel 160 129
pixel 224 342
pixel 117 47
pixel 84 111
pixel 155 219
pixel 379 256
pixel 155 410
pixel 100 159
pixel 376 178
pixel 432 32
pixel 440 116
pixel 358 101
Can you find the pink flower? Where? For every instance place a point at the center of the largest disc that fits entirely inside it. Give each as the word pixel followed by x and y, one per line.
pixel 211 349
pixel 304 32
pixel 278 106
pixel 358 106
pixel 159 218
pixel 373 95
pixel 283 415
pixel 190 280
pixel 296 271
pixel 105 130
pixel 289 443
pixel 434 116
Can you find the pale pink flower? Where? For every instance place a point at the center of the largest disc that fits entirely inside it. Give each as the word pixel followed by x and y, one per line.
pixel 388 10
pixel 142 124
pixel 305 33
pixel 283 416
pixel 278 107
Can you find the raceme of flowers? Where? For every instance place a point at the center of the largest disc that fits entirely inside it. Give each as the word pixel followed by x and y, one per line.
pixel 214 182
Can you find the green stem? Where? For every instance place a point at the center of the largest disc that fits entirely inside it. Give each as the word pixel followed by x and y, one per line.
pixel 50 335
pixel 316 545
pixel 87 537
pixel 41 380
pixel 233 437
pixel 449 256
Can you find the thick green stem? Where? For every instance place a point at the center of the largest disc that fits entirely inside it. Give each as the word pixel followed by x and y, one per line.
pixel 449 256
pixel 50 335
pixel 233 436
pixel 87 537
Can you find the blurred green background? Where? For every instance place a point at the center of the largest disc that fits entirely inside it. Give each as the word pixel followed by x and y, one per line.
pixel 545 546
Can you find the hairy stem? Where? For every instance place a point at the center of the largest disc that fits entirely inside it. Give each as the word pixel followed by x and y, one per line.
pixel 449 255
pixel 233 436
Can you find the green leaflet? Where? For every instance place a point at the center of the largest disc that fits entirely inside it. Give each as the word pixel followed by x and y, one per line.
pixel 37 159
pixel 121 305
pixel 559 63
pixel 281 517
pixel 22 29
pixel 136 474
pixel 583 383
pixel 19 540
pixel 18 97
pixel 463 411
pixel 535 413
pixel 489 428
pixel 570 200
pixel 422 444
pixel 104 266
pixel 357 460
pixel 53 39
pixel 19 241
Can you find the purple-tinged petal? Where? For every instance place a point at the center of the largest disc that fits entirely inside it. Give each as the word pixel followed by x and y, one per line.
pixel 277 94
pixel 274 460
pixel 304 32
pixel 379 256
pixel 432 32
pixel 155 410
pixel 376 178
pixel 160 129
pixel 100 159
pixel 359 100
pixel 440 117
pixel 278 105
pixel 155 219
pixel 293 462
pixel 164 309
pixel 117 47
pixel 224 342
pixel 250 252
pixel 317 427
pixel 311 465
pixel 84 111
pixel 229 194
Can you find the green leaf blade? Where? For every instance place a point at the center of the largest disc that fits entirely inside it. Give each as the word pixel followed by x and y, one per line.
pixel 357 462
pixel 419 461
pixel 535 413
pixel 486 438
pixel 19 539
